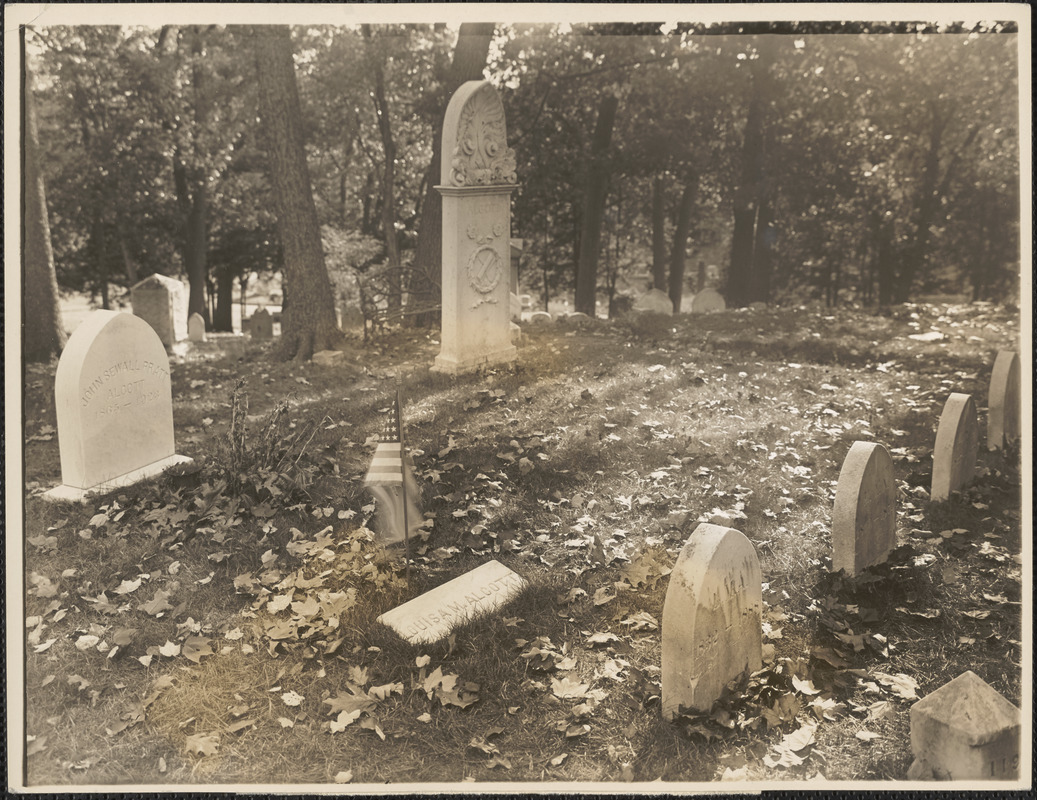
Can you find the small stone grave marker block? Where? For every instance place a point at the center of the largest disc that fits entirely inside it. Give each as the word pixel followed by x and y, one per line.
pixel 196 328
pixel 965 730
pixel 261 324
pixel 712 628
pixel 433 615
pixel 654 300
pixel 1003 401
pixel 114 406
pixel 540 318
pixel 706 301
pixel 161 301
pixel 957 441
pixel 864 518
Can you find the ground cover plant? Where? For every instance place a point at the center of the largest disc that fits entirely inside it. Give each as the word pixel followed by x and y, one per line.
pixel 217 625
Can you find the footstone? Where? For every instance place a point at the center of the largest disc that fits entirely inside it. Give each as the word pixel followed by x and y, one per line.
pixel 161 301
pixel 957 440
pixel 114 406
pixel 654 300
pixel 540 318
pixel 433 615
pixel 196 328
pixel 712 630
pixel 965 730
pixel 864 518
pixel 477 179
pixel 706 301
pixel 1003 401
pixel 261 324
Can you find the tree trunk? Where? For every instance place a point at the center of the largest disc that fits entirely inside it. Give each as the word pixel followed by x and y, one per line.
pixel 595 193
pixel 127 258
pixel 308 322
pixel 658 236
pixel 680 242
pixel 43 335
pixel 763 245
pixel 470 53
pixel 223 318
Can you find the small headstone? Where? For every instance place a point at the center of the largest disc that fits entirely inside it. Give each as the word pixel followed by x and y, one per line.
pixel 957 441
pixel 577 317
pixel 864 519
pixel 433 615
pixel 758 306
pixel 526 301
pixel 1003 401
pixel 654 300
pixel 712 628
pixel 161 301
pixel 965 730
pixel 706 301
pixel 114 406
pixel 327 357
pixel 261 324
pixel 540 318
pixel 196 328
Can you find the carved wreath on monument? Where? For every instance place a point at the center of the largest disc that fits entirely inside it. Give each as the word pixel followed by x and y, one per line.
pixel 482 156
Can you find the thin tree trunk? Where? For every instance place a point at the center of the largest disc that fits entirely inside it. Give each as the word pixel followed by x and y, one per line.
pixel 595 194
pixel 43 335
pixel 763 245
pixel 680 241
pixel 127 258
pixel 308 321
pixel 658 236
pixel 222 318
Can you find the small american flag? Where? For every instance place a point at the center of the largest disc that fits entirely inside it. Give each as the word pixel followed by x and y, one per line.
pixel 387 465
pixel 392 483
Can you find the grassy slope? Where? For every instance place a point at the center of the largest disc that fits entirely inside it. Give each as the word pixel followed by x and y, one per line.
pixel 630 432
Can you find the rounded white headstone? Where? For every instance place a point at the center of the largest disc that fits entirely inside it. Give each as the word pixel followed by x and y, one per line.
pixel 706 301
pixel 957 441
pixel 654 300
pixel 864 519
pixel 1003 401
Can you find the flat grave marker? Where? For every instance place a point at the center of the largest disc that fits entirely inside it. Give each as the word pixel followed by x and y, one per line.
pixel 433 615
pixel 957 441
pixel 1003 401
pixel 712 625
pixel 114 406
pixel 864 518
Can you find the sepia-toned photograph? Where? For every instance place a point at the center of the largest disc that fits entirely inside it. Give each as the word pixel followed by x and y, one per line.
pixel 500 398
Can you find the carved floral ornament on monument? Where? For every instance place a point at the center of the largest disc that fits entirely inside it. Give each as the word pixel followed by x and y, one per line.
pixel 481 156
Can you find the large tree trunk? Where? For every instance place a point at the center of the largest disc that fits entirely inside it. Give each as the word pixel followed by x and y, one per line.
pixel 595 192
pixel 223 318
pixel 658 236
pixel 43 335
pixel 470 53
pixel 763 246
pixel 680 241
pixel 308 321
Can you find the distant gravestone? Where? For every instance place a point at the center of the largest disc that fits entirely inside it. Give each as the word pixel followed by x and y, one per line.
pixel 965 730
pixel 161 301
pixel 477 179
pixel 577 318
pixel 526 301
pixel 433 615
pixel 706 301
pixel 1003 401
pixel 196 328
pixel 114 406
pixel 864 519
pixel 540 318
pixel 712 628
pixel 957 441
pixel 654 300
pixel 261 324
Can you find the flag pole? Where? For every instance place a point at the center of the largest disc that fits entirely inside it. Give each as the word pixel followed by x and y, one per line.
pixel 403 474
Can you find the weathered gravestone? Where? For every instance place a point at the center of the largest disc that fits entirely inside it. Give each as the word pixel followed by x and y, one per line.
pixel 540 318
pixel 1003 401
pixel 433 615
pixel 478 177
pixel 114 406
pixel 654 300
pixel 706 301
pixel 196 328
pixel 957 441
pixel 261 324
pixel 864 518
pixel 712 628
pixel 161 301
pixel 965 730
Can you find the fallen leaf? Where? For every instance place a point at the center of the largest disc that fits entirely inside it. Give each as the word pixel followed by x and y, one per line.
pixel 292 698
pixel 203 744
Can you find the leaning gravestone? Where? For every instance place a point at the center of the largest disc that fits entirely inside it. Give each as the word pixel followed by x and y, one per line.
pixel 957 440
pixel 1003 401
pixel 478 177
pixel 864 519
pixel 965 730
pixel 706 301
pixel 433 615
pixel 261 324
pixel 114 406
pixel 712 629
pixel 161 301
pixel 654 300
pixel 196 328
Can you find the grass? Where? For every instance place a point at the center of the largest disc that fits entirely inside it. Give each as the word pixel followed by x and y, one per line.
pixel 617 436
